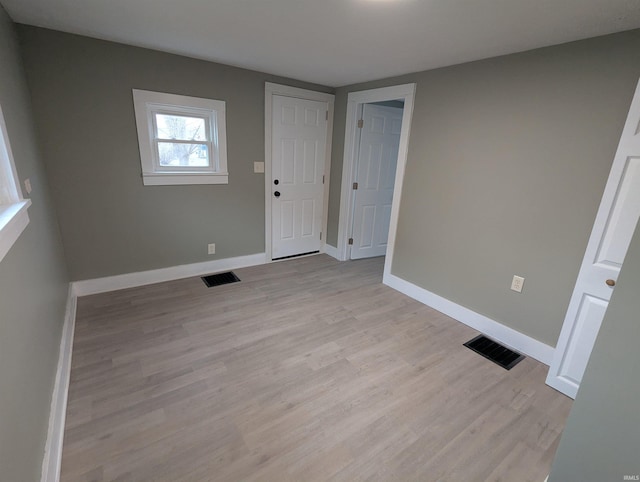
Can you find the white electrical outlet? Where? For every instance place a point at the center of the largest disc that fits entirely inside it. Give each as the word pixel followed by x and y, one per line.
pixel 211 248
pixel 27 185
pixel 517 283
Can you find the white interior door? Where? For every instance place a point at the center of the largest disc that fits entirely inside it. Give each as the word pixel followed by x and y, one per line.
pixel 614 226
pixel 298 157
pixel 375 177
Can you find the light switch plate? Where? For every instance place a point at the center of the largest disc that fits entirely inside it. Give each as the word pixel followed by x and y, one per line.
pixel 258 167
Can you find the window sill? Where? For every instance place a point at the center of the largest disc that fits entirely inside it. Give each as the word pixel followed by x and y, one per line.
pixel 13 219
pixel 170 179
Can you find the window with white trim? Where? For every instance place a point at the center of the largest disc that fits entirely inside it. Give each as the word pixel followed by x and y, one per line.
pixel 13 208
pixel 182 139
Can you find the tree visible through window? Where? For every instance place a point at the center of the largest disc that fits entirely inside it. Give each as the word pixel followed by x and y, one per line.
pixel 188 130
pixel 182 139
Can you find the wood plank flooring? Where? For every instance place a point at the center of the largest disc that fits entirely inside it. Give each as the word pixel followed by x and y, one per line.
pixel 306 370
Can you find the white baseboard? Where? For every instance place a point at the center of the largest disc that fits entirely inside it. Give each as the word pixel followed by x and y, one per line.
pixel 499 332
pixel 331 251
pixel 53 447
pixel 131 280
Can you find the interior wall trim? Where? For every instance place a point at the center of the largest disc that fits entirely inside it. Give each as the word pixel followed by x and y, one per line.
pixel 52 459
pixel 507 336
pixel 355 100
pixel 331 251
pixel 142 278
pixel 53 447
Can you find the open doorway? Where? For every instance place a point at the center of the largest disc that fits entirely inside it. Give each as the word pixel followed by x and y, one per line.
pixel 375 154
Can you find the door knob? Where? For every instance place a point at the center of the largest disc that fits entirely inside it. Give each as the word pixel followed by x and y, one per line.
pixel 611 282
pixel 276 182
pixel 276 194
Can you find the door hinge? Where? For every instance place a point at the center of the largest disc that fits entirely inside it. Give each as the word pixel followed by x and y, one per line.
pixel 350 241
pixel 326 115
pixel 360 123
pixel 355 186
pixel 323 179
pixel 320 235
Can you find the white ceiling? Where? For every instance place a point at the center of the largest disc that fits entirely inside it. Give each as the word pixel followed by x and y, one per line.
pixel 333 42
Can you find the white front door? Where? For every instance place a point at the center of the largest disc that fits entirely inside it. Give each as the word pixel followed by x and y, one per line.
pixel 375 177
pixel 298 157
pixel 615 223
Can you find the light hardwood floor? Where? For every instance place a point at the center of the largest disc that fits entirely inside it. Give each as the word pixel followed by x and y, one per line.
pixel 306 370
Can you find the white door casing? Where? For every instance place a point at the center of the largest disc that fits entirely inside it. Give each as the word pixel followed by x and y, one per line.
pixel 273 204
pixel 612 231
pixel 298 158
pixel 376 171
pixel 406 93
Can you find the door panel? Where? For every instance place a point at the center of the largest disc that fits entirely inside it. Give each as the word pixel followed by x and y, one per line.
pixel 308 215
pixel 624 217
pixel 287 158
pixel 588 320
pixel 375 175
pixel 298 158
pixel 382 234
pixel 310 174
pixel 367 227
pixel 615 222
pixel 287 221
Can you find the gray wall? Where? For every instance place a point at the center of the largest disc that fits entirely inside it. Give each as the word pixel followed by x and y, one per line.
pixel 33 289
pixel 508 158
pixel 111 223
pixel 601 441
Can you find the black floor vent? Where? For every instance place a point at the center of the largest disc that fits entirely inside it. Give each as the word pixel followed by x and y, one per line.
pixel 220 279
pixel 495 352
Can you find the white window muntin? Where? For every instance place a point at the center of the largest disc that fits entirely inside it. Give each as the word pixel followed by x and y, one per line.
pixel 147 104
pixel 210 131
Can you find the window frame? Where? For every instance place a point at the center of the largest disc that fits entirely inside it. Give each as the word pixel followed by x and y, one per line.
pixel 147 104
pixel 13 210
